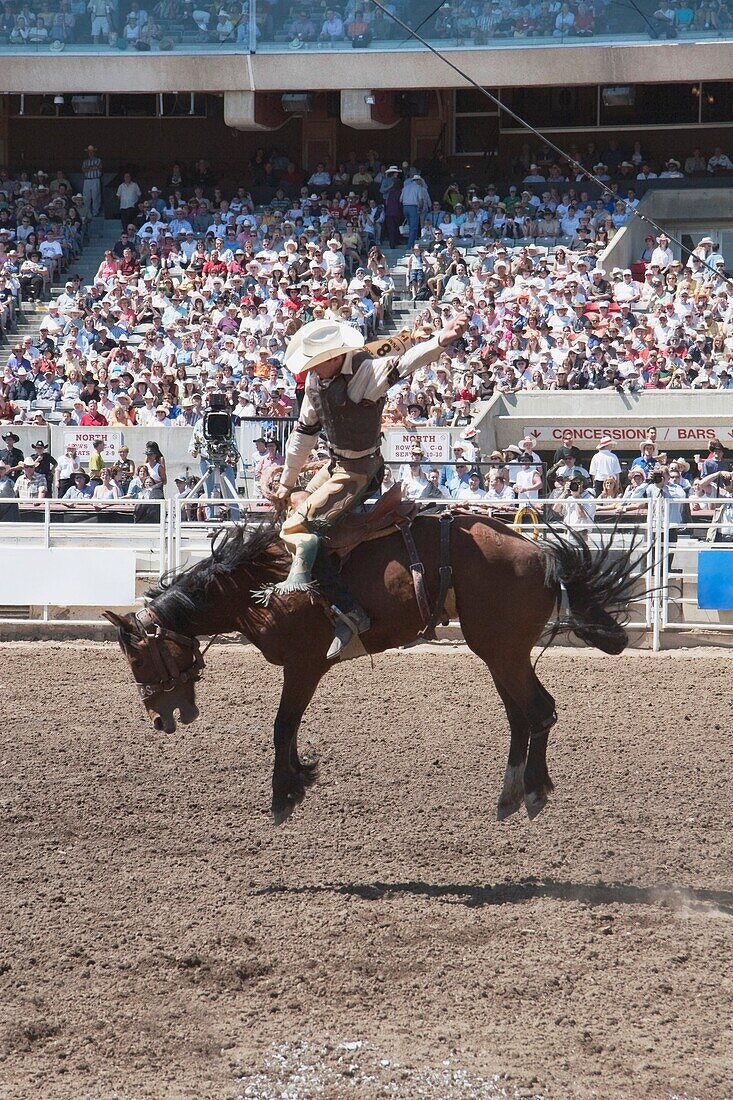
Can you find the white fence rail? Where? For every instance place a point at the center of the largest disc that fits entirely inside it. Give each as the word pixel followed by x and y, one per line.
pixel 668 548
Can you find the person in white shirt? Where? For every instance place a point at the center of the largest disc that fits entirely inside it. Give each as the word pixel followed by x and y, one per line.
pixel 50 249
pixel 146 416
pixel 529 479
pixel 67 299
pixel 188 246
pixel 662 254
pixel 577 507
pixel 499 490
pixel 604 463
pixel 413 477
pixel 52 322
pixel 152 228
pixel 128 196
pixel 473 491
pixel 628 290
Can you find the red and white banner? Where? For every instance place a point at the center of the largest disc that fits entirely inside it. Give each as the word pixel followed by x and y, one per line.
pixel 587 436
pixel 436 445
pixel 83 438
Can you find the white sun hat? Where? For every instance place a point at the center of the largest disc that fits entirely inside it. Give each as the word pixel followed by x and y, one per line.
pixel 319 341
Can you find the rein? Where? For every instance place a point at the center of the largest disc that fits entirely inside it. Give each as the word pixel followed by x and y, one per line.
pixel 170 674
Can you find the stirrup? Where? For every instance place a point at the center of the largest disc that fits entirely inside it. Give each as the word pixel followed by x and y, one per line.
pixel 348 626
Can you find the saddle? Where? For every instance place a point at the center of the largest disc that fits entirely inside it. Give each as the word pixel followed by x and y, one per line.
pixel 384 518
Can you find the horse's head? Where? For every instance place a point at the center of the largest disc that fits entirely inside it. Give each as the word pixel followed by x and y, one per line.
pixel 166 666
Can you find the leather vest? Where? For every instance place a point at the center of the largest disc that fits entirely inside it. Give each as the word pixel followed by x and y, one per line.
pixel 348 426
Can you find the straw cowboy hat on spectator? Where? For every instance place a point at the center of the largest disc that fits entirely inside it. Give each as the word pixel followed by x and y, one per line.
pixel 605 442
pixel 319 341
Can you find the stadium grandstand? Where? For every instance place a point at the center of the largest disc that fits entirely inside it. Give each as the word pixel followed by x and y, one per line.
pixel 169 222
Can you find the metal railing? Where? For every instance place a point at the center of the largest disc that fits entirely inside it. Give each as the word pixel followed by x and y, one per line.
pixel 667 548
pixel 251 27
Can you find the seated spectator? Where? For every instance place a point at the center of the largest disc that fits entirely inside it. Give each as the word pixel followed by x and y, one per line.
pixel 471 492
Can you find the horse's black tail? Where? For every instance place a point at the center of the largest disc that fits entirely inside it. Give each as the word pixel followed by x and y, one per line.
pixel 599 587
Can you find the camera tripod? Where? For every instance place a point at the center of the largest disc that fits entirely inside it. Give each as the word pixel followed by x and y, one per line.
pixel 227 490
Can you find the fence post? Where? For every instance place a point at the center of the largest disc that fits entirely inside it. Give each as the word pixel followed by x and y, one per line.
pixel 664 594
pixel 162 538
pixel 649 598
pixel 46 540
pixel 657 574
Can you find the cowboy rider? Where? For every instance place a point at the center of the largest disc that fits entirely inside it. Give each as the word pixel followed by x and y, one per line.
pixel 345 393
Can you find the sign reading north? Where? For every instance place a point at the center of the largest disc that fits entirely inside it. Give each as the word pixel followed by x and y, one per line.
pixel 436 445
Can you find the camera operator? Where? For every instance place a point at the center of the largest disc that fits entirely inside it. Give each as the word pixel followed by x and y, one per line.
pixel 212 442
pixel 575 505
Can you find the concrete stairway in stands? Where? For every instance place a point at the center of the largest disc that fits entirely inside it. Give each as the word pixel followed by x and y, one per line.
pixel 404 311
pixel 102 234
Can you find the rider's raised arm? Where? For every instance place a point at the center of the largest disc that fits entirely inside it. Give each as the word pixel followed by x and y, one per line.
pixel 374 379
pixel 300 443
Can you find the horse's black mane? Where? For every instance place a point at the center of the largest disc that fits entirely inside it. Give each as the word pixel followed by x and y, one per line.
pixel 180 596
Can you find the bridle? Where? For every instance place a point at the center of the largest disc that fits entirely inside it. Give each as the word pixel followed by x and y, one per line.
pixel 153 633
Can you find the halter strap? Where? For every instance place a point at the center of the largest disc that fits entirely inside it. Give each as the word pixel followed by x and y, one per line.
pixel 170 674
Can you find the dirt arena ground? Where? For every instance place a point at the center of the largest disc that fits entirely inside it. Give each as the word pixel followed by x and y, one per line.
pixel 161 939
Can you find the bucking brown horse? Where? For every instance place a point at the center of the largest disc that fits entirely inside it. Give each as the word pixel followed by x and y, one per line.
pixel 505 589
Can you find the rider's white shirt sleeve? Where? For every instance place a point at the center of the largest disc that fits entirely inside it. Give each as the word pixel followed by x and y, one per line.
pixel 374 378
pixel 300 443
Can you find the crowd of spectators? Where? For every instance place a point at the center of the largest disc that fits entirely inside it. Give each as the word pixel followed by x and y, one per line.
pixel 167 23
pixel 509 483
pixel 202 290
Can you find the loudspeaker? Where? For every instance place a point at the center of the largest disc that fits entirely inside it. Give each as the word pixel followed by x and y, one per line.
pixel 411 104
pixel 297 103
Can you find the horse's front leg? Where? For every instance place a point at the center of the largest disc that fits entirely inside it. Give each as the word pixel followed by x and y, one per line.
pixel 290 777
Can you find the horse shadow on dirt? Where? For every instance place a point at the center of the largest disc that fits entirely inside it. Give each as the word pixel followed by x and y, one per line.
pixel 682 899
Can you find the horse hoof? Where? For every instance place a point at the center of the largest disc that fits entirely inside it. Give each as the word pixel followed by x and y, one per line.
pixel 282 813
pixel 512 793
pixel 535 802
pixel 505 808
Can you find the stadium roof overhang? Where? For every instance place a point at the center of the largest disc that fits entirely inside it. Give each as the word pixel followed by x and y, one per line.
pixel 373 69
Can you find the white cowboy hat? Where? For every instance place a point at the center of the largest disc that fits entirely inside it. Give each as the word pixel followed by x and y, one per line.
pixel 319 341
pixel 607 441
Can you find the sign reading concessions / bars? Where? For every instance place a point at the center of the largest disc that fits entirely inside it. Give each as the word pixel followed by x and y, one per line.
pixel 625 438
pixel 84 438
pixel 435 444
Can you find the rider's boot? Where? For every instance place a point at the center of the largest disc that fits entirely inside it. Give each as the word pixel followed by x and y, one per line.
pixel 300 577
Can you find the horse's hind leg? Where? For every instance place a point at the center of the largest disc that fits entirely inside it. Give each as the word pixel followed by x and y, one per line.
pixel 512 792
pixel 537 783
pixel 531 712
pixel 291 778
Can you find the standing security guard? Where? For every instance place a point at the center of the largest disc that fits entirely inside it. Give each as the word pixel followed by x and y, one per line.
pixel 344 395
